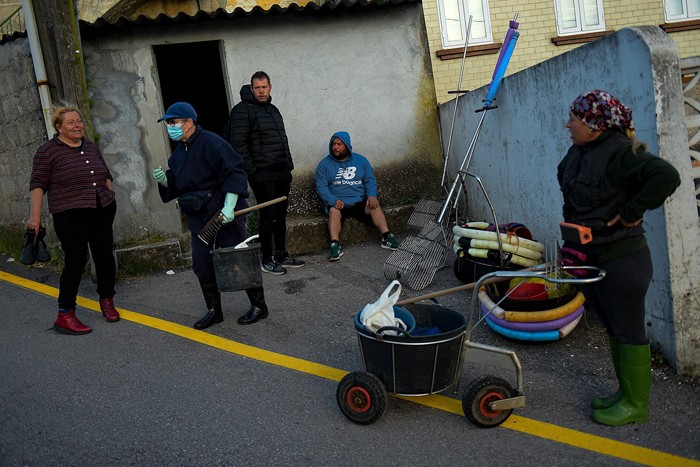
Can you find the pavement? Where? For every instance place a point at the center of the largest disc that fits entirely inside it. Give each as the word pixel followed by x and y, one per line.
pixel 150 390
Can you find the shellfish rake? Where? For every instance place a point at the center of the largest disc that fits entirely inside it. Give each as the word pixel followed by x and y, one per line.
pixel 212 227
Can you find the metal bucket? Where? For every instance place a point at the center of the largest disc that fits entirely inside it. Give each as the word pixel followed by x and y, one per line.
pixel 237 268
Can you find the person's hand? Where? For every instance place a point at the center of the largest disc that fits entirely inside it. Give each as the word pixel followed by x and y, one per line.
pixel 339 204
pixel 229 206
pixel 34 224
pixel 372 202
pixel 619 219
pixel 160 177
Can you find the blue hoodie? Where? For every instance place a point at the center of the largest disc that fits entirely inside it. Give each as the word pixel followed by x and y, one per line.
pixel 351 180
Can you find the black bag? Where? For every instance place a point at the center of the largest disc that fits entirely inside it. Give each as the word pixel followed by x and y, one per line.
pixel 194 201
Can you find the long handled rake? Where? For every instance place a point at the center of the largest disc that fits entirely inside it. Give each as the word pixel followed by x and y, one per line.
pixel 501 65
pixel 420 256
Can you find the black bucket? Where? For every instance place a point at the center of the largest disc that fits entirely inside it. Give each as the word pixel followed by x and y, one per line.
pixel 419 365
pixel 237 268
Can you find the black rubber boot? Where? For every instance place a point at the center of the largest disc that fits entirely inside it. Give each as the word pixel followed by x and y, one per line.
pixel 258 308
pixel 214 315
pixel 28 257
pixel 41 253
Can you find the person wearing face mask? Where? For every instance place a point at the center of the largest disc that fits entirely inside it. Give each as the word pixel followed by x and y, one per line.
pixel 205 175
pixel 347 187
pixel 608 181
pixel 71 170
pixel 256 131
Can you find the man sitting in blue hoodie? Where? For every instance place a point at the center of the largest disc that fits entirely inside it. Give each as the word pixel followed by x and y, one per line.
pixel 346 184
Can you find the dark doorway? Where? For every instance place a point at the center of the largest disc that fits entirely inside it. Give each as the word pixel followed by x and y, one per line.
pixel 192 72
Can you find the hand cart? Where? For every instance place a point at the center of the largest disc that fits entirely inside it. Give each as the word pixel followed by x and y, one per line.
pixel 407 365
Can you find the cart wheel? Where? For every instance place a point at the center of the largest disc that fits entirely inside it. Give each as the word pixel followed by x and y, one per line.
pixel 361 397
pixel 479 395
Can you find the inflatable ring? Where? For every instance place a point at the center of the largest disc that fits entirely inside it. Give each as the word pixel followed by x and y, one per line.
pixel 531 316
pixel 491 307
pixel 542 336
pixel 564 331
pixel 515 259
pixel 535 326
pixel 512 228
pixel 493 245
pixel 505 238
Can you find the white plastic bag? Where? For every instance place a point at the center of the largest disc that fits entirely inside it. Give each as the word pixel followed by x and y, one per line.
pixel 381 313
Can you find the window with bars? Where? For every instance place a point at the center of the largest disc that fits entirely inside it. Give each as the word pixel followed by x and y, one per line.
pixel 454 19
pixel 580 16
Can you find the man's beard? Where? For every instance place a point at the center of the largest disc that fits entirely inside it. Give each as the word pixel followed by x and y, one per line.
pixel 343 155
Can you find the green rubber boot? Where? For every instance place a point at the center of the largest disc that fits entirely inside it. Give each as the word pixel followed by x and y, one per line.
pixel 605 402
pixel 635 382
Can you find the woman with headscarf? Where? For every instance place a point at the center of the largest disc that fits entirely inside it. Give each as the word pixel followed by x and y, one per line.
pixel 73 173
pixel 608 181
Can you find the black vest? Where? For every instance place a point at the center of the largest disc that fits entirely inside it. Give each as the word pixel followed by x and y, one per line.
pixel 589 198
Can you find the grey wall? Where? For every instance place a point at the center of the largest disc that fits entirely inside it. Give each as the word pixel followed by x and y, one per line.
pixel 523 140
pixel 23 130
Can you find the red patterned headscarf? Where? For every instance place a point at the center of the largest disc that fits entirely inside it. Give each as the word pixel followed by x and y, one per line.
pixel 600 111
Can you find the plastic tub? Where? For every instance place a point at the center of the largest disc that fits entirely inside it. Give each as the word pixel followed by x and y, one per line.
pixel 419 365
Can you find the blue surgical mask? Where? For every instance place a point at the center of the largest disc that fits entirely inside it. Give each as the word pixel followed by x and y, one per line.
pixel 175 132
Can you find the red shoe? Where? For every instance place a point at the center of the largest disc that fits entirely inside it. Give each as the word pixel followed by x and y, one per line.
pixel 68 323
pixel 108 311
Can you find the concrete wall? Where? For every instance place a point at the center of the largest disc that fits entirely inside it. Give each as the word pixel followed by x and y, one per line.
pixel 538 26
pixel 523 140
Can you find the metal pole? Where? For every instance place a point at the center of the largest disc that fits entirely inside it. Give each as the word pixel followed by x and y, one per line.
pixel 39 67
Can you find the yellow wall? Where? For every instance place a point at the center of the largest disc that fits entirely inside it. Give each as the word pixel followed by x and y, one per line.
pixel 537 27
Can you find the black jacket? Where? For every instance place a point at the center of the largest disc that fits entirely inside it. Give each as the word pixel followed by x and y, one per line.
pixel 256 132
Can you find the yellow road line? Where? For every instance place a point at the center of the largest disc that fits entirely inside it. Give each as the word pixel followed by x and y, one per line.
pixel 543 430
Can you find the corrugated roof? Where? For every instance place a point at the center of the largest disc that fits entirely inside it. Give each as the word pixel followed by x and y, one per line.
pixel 221 13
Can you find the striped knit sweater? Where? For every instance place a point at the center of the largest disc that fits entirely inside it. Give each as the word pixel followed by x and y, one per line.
pixel 72 177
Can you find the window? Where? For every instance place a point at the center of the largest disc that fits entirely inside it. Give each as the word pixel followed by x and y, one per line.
pixel 681 9
pixel 580 16
pixel 454 18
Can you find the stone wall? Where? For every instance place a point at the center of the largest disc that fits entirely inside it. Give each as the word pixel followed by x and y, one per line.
pixel 23 130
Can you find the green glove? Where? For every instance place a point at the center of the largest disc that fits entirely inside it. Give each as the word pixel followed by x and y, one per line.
pixel 229 206
pixel 160 177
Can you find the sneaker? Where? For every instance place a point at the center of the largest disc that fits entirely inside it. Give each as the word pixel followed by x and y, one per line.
pixel 390 243
pixel 290 262
pixel 272 267
pixel 336 252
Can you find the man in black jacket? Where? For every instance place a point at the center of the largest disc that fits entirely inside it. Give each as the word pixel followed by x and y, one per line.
pixel 256 132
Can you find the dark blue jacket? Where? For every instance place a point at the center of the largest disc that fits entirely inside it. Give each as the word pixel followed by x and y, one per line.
pixel 205 163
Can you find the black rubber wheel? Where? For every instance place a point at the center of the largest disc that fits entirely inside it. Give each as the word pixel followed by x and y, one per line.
pixel 478 396
pixel 361 397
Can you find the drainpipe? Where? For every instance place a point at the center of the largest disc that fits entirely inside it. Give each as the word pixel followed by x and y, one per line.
pixel 39 67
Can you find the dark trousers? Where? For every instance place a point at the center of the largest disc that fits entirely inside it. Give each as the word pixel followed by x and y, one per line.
pixel 273 219
pixel 78 229
pixel 619 298
pixel 230 235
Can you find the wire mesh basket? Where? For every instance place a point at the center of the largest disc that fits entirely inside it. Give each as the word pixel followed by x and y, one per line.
pixel 419 257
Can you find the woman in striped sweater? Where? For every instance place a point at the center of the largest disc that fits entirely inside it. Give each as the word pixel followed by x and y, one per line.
pixel 70 169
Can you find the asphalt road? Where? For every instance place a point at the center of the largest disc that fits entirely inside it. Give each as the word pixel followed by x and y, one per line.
pixel 150 390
